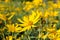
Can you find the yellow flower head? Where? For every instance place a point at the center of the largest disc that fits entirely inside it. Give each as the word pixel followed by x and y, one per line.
pixel 13 28
pixel 9 37
pixel 30 20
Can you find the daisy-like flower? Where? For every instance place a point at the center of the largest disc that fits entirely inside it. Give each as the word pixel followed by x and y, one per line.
pixel 9 37
pixel 13 28
pixel 29 21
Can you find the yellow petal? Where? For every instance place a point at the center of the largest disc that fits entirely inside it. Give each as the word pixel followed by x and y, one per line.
pixel 23 24
pixel 12 14
pixel 37 17
pixel 32 16
pixel 26 28
pixel 36 21
pixel 17 29
pixel 25 19
pixel 34 26
pixel 10 38
pixel 20 20
pixel 10 17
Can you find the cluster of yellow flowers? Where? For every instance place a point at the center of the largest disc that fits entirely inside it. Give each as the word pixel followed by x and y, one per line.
pixel 21 18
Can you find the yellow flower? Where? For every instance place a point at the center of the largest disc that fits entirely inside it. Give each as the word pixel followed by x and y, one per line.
pixel 30 20
pixel 13 28
pixel 3 17
pixel 37 2
pixel 9 38
pixel 28 7
pixel 55 13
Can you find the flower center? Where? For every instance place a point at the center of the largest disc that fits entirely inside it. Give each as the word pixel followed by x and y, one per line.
pixel 30 23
